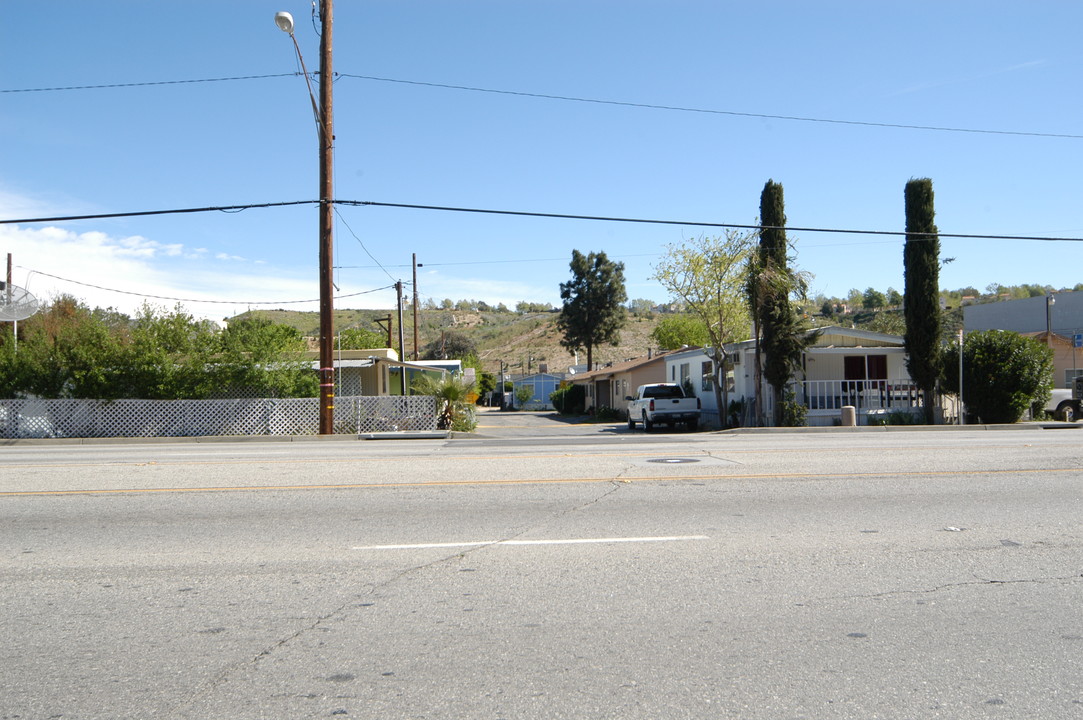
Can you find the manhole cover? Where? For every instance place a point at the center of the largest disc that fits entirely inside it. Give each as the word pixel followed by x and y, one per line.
pixel 674 461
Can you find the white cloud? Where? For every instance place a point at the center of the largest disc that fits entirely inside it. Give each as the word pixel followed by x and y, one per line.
pixel 494 291
pixel 126 272
pixel 965 79
pixel 18 206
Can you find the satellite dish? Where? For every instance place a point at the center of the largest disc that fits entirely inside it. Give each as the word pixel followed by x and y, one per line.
pixel 16 304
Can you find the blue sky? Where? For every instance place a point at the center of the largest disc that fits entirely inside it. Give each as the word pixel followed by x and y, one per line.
pixel 994 66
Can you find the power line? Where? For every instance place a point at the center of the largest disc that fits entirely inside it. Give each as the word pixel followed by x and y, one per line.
pixel 355 237
pixel 688 223
pixel 197 300
pixel 146 84
pixel 557 216
pixel 146 213
pixel 731 113
pixel 482 262
pixel 570 98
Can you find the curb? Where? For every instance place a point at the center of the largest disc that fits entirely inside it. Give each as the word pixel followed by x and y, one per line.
pixel 904 428
pixel 218 439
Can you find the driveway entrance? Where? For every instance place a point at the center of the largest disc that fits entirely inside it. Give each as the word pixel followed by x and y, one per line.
pixel 517 424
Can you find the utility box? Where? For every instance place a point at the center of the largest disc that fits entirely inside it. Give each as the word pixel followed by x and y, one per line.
pixel 1077 387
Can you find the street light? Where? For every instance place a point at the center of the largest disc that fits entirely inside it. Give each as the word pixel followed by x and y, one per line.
pixel 324 127
pixel 962 405
pixel 284 21
pixel 1050 301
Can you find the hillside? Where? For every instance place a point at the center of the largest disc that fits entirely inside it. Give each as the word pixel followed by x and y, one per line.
pixel 526 340
pixel 522 341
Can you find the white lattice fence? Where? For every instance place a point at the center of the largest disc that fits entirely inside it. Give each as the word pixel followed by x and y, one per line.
pixel 365 414
pixel 35 418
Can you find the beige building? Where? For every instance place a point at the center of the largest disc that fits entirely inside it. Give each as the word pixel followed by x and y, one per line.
pixel 608 386
pixel 379 371
pixel 1067 359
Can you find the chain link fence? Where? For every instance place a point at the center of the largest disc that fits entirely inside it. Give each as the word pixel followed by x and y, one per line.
pixel 36 418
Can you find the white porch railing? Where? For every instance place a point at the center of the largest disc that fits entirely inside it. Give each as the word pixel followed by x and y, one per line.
pixel 863 395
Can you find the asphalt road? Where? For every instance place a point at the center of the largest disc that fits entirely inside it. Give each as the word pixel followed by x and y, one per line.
pixel 569 571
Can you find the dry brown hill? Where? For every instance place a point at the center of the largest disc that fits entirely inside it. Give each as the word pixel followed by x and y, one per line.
pixel 523 341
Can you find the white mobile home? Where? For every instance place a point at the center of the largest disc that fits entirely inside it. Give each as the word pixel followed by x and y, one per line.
pixel 843 367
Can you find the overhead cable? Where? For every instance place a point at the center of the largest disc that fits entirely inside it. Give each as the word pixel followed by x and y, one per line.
pixel 557 216
pixel 145 84
pixel 200 300
pixel 572 98
pixel 145 213
pixel 692 223
pixel 732 113
pixel 358 239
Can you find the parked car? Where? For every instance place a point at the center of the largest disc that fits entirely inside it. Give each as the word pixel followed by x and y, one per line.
pixel 1064 403
pixel 662 404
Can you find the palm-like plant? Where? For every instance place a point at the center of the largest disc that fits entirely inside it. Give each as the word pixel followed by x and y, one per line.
pixel 452 400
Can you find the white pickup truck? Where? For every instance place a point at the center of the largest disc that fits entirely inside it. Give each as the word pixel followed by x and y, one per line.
pixel 662 404
pixel 1064 402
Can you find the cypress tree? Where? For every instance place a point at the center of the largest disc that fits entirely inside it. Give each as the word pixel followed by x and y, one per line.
pixel 921 296
pixel 783 333
pixel 773 245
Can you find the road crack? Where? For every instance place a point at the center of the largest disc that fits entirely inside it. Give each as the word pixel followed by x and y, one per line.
pixel 980 582
pixel 255 660
pixel 375 588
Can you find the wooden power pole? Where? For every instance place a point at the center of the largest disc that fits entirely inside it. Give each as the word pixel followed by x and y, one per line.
pixel 327 213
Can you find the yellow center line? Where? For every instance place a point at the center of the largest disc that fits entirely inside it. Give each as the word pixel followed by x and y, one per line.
pixel 313 461
pixel 718 453
pixel 532 481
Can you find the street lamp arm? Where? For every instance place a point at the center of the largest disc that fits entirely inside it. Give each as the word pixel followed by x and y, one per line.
pixel 284 21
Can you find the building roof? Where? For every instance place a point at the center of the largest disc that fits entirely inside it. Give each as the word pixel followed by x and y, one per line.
pixel 836 336
pixel 386 353
pixel 535 376
pixel 620 367
pixel 1056 338
pixel 829 337
pixel 375 360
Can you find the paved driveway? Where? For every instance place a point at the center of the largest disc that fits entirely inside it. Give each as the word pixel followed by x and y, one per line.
pixel 499 424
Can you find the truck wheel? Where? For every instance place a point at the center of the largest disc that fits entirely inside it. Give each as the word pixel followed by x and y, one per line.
pixel 631 423
pixel 647 424
pixel 1066 411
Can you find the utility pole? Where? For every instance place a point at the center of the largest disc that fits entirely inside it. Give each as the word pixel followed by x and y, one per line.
pixel 7 302
pixel 381 322
pixel 327 196
pixel 399 292
pixel 326 136
pixel 416 356
pixel 962 405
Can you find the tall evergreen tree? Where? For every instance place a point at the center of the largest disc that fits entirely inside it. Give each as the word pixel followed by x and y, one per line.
pixel 783 335
pixel 921 294
pixel 593 311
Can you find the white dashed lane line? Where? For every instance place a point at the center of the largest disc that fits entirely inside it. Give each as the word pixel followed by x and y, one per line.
pixel 573 541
